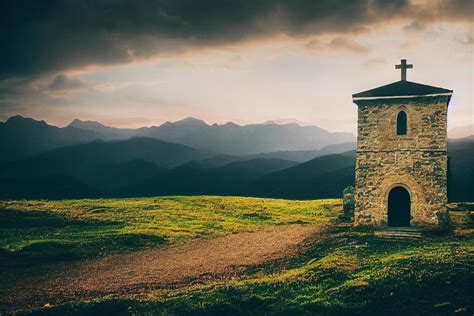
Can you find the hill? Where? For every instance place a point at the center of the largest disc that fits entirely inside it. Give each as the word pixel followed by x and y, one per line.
pixel 320 177
pixel 23 137
pixel 220 161
pixel 461 170
pixel 327 176
pixel 305 155
pixel 144 166
pixel 133 167
pixel 99 166
pixel 191 179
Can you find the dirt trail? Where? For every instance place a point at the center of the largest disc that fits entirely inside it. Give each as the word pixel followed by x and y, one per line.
pixel 188 262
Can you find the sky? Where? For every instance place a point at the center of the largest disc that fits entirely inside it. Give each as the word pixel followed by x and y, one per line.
pixel 142 63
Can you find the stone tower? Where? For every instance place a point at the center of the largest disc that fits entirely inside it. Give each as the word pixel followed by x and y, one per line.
pixel 401 166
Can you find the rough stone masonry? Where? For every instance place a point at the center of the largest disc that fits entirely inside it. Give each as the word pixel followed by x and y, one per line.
pixel 415 161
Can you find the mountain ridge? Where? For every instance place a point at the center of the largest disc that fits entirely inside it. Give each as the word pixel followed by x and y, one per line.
pixel 22 137
pixel 228 139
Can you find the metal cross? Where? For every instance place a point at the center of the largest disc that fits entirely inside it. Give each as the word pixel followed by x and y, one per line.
pixel 403 66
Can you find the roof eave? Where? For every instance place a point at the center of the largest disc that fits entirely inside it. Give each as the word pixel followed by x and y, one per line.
pixel 447 94
pixel 393 100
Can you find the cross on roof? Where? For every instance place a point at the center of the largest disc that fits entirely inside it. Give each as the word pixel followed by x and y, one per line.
pixel 403 66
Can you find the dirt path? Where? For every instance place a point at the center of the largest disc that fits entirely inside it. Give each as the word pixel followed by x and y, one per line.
pixel 191 261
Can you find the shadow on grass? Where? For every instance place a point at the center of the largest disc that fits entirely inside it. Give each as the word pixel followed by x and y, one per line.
pixel 37 236
pixel 14 219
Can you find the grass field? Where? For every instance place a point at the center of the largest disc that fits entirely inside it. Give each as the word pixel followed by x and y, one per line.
pixel 87 228
pixel 348 272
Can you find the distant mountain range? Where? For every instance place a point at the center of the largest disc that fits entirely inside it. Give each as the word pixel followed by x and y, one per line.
pixel 23 137
pixel 230 138
pixel 100 161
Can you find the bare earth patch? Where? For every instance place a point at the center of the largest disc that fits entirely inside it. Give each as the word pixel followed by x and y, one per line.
pixel 179 264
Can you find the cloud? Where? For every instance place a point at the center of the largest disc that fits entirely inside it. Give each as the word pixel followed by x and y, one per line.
pixel 315 44
pixel 467 39
pixel 445 10
pixel 414 26
pixel 64 84
pixel 376 61
pixel 17 95
pixel 338 44
pixel 55 36
pixel 341 43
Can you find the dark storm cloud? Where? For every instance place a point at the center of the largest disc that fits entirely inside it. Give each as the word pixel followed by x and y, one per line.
pixel 17 95
pixel 46 36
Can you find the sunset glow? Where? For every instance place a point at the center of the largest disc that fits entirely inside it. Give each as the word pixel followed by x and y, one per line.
pixel 274 69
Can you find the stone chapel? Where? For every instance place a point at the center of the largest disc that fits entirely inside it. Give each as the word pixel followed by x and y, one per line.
pixel 401 158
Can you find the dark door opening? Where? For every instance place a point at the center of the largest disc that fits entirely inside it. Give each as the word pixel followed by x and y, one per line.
pixel 399 207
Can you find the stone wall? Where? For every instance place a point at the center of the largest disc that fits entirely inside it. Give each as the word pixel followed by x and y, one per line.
pixel 416 161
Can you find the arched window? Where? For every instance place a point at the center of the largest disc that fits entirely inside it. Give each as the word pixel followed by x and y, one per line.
pixel 402 123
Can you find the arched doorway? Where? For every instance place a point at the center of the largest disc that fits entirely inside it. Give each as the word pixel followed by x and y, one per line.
pixel 399 207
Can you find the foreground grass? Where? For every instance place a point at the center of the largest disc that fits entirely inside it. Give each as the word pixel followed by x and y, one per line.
pixel 348 272
pixel 71 229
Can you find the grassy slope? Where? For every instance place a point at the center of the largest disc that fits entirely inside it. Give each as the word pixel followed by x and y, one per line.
pixel 86 228
pixel 349 272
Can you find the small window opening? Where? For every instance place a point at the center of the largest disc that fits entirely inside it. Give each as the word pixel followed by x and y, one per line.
pixel 402 123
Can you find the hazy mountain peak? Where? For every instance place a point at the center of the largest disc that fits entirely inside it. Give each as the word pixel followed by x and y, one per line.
pixel 75 121
pixel 190 121
pixel 82 124
pixel 18 119
pixel 15 118
pixel 231 124
pixel 285 122
pixel 271 122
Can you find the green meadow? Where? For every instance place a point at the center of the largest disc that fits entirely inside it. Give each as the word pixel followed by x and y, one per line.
pixel 88 228
pixel 348 271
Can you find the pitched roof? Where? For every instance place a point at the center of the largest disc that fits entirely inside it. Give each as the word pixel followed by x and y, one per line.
pixel 402 89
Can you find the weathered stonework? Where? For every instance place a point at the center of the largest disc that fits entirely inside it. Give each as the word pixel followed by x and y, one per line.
pixel 416 161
